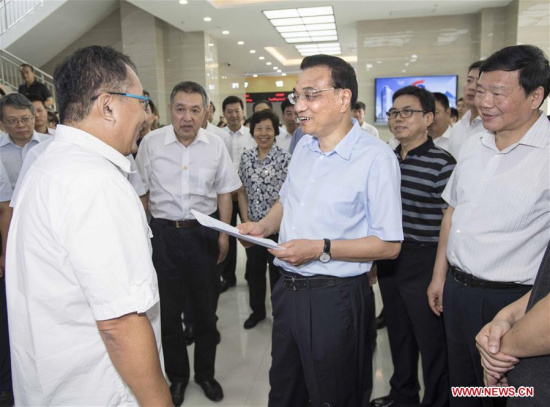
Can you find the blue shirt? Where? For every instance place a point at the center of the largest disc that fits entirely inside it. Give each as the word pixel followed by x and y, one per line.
pixel 348 193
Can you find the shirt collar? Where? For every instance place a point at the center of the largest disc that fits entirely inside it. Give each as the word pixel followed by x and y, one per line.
pixel 170 136
pixel 6 139
pixel 83 139
pixel 419 151
pixel 345 146
pixel 536 136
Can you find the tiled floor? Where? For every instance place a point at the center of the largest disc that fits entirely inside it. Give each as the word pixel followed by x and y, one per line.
pixel 244 356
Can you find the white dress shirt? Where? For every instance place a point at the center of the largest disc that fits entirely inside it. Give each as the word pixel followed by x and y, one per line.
pixel 501 222
pixel 78 252
pixel 370 129
pixel 181 178
pixel 444 140
pixel 13 155
pixel 221 133
pixel 6 191
pixel 283 139
pixel 462 130
pixel 240 141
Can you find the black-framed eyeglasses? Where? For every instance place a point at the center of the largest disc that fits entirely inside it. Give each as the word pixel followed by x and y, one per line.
pixel 405 113
pixel 144 100
pixel 308 95
pixel 14 121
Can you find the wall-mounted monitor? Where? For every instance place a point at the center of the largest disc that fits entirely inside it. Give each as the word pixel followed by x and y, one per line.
pixel 386 87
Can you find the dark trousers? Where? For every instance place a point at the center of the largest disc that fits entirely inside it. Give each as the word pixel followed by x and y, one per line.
pixel 413 328
pixel 186 258
pixel 257 258
pixel 5 366
pixel 467 310
pixel 320 348
pixel 227 267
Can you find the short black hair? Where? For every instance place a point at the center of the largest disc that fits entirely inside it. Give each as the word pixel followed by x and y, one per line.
pixel 230 100
pixel 85 74
pixel 342 73
pixel 474 65
pixel 52 117
pixel 284 104
pixel 267 102
pixel 190 87
pixel 454 112
pixel 359 106
pixel 264 115
pixel 441 98
pixel 17 101
pixel 425 97
pixel 26 65
pixel 529 60
pixel 213 107
pixel 36 98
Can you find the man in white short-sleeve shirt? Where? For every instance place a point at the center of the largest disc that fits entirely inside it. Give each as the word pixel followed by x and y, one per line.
pixel 496 228
pixel 186 168
pixel 82 291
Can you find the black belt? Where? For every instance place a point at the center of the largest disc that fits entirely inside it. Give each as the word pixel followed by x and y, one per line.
pixel 471 281
pixel 297 282
pixel 186 223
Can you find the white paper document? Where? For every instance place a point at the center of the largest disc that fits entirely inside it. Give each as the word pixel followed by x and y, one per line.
pixel 215 224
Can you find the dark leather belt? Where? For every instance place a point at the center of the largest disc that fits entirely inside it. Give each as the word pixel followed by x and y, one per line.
pixel 297 282
pixel 186 223
pixel 471 281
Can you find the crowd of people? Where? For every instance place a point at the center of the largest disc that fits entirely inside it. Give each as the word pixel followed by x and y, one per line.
pixel 109 275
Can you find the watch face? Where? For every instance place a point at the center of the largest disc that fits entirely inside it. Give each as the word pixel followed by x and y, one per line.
pixel 324 258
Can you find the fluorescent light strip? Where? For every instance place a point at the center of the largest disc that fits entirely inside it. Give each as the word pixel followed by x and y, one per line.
pixel 315 11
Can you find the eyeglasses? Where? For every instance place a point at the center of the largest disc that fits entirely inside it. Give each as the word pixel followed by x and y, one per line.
pixel 14 121
pixel 308 95
pixel 144 100
pixel 405 113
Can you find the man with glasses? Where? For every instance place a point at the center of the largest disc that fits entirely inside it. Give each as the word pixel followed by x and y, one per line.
pixel 412 328
pixel 17 117
pixel 83 300
pixel 186 168
pixel 339 210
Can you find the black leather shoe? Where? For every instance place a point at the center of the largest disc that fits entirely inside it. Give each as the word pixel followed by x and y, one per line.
pixel 177 391
pixel 252 321
pixel 385 401
pixel 226 285
pixel 212 389
pixel 381 320
pixel 188 334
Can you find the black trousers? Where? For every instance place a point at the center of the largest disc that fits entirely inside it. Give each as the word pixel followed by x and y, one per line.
pixel 228 267
pixel 186 258
pixel 467 310
pixel 257 258
pixel 320 348
pixel 5 366
pixel 413 328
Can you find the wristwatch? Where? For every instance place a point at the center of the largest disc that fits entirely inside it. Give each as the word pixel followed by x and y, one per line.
pixel 324 257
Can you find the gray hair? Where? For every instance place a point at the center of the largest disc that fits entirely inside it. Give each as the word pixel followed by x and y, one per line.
pixel 190 87
pixel 17 101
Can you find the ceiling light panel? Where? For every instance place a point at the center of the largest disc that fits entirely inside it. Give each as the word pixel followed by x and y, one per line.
pixel 290 28
pixel 315 11
pixel 271 14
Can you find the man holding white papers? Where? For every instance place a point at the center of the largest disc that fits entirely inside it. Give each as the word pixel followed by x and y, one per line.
pixel 184 167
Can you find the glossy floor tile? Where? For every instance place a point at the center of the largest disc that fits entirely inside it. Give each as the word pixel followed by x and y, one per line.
pixel 244 356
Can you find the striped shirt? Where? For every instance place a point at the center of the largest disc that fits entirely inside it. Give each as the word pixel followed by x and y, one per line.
pixel 424 175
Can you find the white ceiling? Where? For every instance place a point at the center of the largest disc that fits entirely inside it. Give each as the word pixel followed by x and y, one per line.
pixel 245 22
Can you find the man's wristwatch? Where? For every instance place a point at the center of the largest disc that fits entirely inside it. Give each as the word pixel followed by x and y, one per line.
pixel 324 257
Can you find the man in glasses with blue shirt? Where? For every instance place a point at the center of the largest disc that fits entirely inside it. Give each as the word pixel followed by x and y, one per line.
pixel 339 210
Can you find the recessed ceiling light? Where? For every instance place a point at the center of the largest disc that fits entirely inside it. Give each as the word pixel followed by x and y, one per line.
pixel 255 75
pixel 225 32
pixel 183 1
pixel 414 56
pixel 252 51
pixel 275 68
pixel 279 70
pixel 283 74
pixel 207 19
pixel 241 43
pixel 268 63
pixel 211 44
pixel 261 58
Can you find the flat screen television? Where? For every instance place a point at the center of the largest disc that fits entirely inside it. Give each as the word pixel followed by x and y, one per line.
pixel 386 87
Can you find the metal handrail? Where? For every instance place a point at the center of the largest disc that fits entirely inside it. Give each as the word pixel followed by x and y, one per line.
pixel 12 11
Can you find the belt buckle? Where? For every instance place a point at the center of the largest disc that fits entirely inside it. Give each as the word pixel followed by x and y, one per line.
pixel 179 224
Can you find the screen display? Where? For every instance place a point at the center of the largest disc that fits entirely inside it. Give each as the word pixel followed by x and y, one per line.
pixel 386 87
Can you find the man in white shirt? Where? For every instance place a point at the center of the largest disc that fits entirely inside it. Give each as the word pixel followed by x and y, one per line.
pixel 358 112
pixel 17 117
pixel 241 139
pixel 498 206
pixel 40 115
pixel 440 130
pixel 82 291
pixel 185 168
pixel 284 138
pixel 470 123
